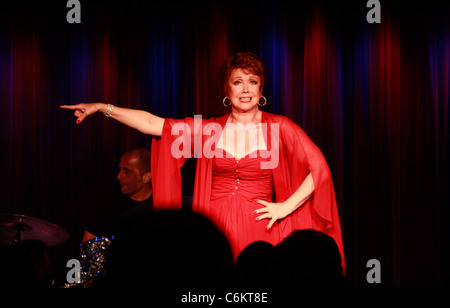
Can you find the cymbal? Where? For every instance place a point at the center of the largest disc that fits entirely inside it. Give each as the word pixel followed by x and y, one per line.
pixel 15 227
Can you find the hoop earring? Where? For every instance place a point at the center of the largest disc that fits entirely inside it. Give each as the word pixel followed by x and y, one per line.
pixel 224 100
pixel 262 104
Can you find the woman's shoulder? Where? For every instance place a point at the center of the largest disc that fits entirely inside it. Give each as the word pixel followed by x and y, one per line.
pixel 282 120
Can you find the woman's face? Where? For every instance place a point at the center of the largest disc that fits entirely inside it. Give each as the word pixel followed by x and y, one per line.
pixel 244 90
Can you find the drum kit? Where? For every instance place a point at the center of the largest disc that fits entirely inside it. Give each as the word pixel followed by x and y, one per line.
pixel 16 229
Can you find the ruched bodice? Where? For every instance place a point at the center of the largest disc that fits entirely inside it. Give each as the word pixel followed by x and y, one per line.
pixel 236 187
pixel 243 178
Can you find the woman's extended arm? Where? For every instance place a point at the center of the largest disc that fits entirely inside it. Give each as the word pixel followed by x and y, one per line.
pixel 143 121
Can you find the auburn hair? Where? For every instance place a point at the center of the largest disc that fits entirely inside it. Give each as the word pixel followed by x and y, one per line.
pixel 248 62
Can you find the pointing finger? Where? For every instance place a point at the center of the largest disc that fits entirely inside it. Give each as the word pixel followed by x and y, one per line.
pixel 70 107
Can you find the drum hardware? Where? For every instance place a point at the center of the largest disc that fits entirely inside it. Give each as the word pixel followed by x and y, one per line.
pixel 15 228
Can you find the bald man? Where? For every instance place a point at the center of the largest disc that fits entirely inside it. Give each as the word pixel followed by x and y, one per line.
pixel 135 185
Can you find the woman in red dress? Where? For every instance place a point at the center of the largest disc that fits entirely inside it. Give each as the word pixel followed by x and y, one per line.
pixel 252 166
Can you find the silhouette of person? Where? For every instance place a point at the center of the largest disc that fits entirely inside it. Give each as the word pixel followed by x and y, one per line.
pixel 311 258
pixel 249 264
pixel 169 251
pixel 24 265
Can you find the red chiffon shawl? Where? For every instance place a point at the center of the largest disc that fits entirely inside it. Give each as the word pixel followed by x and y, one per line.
pixel 298 156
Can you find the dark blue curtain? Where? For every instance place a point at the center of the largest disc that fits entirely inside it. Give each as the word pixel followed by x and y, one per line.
pixel 374 98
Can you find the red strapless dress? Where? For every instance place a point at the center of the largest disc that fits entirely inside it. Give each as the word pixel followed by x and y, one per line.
pixel 236 185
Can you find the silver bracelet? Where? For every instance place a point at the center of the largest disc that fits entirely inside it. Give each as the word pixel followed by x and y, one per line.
pixel 109 110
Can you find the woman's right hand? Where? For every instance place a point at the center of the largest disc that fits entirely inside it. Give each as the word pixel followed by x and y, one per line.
pixel 83 110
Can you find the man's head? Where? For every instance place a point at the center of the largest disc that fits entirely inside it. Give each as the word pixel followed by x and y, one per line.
pixel 134 175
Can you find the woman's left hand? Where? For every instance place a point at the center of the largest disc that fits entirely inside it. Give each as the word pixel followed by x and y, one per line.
pixel 272 211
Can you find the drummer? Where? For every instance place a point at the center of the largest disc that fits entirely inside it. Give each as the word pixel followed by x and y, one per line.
pixel 135 199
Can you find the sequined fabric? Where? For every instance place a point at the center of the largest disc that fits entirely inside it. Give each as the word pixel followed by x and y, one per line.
pixel 93 258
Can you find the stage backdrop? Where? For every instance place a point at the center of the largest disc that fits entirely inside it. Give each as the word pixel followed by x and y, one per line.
pixel 373 97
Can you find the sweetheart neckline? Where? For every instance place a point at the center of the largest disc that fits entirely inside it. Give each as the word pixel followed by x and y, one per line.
pixel 232 156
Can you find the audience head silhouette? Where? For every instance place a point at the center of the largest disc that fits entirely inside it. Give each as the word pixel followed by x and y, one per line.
pixel 169 250
pixel 311 258
pixel 257 267
pixel 24 265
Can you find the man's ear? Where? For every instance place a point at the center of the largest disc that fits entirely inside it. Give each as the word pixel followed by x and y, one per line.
pixel 147 177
